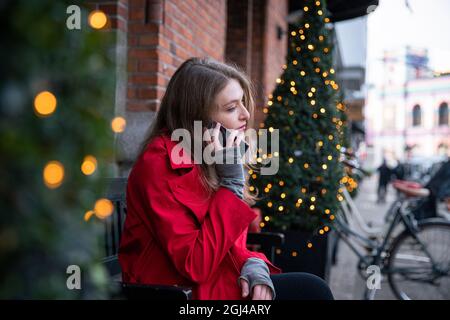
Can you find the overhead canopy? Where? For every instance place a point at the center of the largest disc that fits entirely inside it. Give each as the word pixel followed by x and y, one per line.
pixel 341 10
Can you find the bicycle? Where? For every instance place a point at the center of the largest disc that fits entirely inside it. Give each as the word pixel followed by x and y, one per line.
pixel 415 259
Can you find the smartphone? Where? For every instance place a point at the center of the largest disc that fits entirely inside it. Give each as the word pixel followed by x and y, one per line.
pixel 224 134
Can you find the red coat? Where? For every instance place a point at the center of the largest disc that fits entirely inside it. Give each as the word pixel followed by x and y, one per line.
pixel 175 235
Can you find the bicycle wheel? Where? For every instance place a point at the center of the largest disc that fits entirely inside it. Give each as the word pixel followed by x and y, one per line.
pixel 420 270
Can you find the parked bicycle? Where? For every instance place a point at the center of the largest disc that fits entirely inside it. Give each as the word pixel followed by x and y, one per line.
pixel 413 254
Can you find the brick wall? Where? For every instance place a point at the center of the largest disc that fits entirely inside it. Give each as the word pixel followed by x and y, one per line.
pixel 164 33
pixel 253 44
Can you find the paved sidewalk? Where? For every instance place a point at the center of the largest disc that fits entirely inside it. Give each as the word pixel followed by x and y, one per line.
pixel 345 282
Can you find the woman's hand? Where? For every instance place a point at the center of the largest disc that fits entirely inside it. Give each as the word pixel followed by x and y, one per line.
pixel 260 291
pixel 214 138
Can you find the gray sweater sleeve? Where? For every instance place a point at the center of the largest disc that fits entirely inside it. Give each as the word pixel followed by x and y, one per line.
pixel 230 170
pixel 255 271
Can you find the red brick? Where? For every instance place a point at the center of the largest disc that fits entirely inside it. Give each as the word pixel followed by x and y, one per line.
pixel 148 65
pixel 142 53
pixel 148 39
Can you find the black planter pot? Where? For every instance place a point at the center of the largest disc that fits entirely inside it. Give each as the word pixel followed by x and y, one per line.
pixel 295 255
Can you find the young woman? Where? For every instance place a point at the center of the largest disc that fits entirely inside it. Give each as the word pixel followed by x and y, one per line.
pixel 187 221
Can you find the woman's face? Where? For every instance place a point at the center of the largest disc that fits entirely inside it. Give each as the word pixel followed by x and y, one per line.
pixel 231 112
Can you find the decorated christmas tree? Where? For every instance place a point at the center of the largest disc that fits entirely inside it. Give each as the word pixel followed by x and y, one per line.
pixel 56 101
pixel 305 107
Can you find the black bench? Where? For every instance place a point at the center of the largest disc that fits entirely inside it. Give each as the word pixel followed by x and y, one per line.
pixel 266 242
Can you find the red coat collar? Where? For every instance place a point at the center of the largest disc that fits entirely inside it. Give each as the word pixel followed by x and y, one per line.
pixel 179 160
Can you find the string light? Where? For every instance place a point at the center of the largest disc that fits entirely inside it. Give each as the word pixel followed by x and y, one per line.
pixel 89 165
pixel 53 174
pixel 118 124
pixel 88 215
pixel 103 208
pixel 97 19
pixel 45 103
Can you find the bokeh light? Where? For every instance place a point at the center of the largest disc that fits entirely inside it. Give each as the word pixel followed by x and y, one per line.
pixel 97 19
pixel 53 174
pixel 89 165
pixel 118 124
pixel 45 103
pixel 103 208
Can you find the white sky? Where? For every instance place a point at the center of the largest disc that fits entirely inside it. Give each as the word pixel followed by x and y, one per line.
pixel 392 25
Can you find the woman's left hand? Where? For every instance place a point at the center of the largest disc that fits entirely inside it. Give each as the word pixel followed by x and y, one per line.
pixel 260 291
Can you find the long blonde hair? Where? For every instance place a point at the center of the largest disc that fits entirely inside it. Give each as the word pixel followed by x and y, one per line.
pixel 190 96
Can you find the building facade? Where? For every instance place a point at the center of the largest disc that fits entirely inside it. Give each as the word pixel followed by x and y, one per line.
pixel 407 112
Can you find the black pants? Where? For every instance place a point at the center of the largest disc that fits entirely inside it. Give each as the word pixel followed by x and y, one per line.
pixel 300 286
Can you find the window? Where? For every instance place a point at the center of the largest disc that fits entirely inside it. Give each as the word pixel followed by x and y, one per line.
pixel 417 116
pixel 443 114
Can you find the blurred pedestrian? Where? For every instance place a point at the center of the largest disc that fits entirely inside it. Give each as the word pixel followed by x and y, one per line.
pixel 385 174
